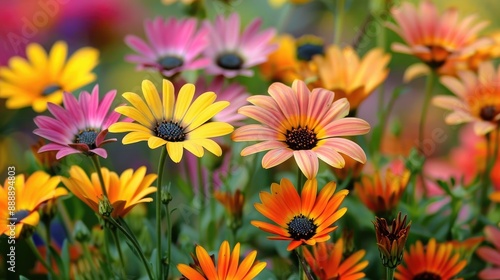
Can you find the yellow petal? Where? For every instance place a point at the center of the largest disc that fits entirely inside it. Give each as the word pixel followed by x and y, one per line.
pixel 168 99
pixel 194 147
pixel 57 58
pixel 183 101
pixel 37 56
pixel 155 142
pixel 198 107
pixel 135 136
pixel 136 115
pixel 126 127
pixel 175 151
pixel 152 99
pixel 211 129
pixel 207 114
pixel 416 70
pixel 136 101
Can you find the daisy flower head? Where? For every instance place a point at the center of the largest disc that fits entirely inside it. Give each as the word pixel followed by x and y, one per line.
pixel 301 219
pixel 476 100
pixel 434 261
pixel 301 123
pixel 176 122
pixel 436 39
pixel 124 191
pixel 231 53
pixel 226 268
pixel 173 46
pixel 43 77
pixel 30 193
pixel 348 75
pixel 327 262
pixel 80 127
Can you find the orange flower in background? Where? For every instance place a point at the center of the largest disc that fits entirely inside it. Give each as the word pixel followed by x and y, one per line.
pixel 381 194
pixel 233 204
pixel 434 38
pixel 345 73
pixel 124 191
pixel 434 261
pixel 227 267
pixel 301 219
pixel 477 98
pixel 327 262
pixel 282 64
pixel 391 239
pixel 30 194
pixel 467 247
pixel 303 124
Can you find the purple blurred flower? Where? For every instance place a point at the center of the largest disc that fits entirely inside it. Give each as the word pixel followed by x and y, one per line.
pixel 232 54
pixel 80 127
pixel 174 46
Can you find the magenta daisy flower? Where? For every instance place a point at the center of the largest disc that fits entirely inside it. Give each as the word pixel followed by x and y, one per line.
pixel 232 54
pixel 79 127
pixel 235 93
pixel 174 46
pixel 303 124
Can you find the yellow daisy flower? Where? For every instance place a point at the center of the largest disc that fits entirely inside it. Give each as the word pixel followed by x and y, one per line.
pixel 176 124
pixel 43 77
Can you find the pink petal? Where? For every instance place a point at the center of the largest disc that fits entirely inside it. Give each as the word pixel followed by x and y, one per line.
pixel 140 46
pixel 345 127
pixel 320 102
pixel 275 157
pixel 256 132
pixel 100 152
pixel 338 110
pixel 66 151
pixel 262 146
pixel 51 147
pixel 303 93
pixel 74 109
pixel 489 254
pixel 448 102
pixel 308 163
pixel 493 235
pixel 265 117
pixel 62 115
pixel 49 123
pixel 327 153
pixel 348 148
pixel 52 135
pixel 286 99
pixel 490 273
pixel 231 35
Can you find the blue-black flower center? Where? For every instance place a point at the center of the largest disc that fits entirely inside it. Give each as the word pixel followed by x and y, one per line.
pixel 426 276
pixel 51 89
pixel 19 216
pixel 170 62
pixel 170 131
pixel 488 113
pixel 87 137
pixel 301 138
pixel 230 61
pixel 300 227
pixel 307 51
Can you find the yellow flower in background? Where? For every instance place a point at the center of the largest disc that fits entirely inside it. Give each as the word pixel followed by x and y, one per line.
pixel 43 77
pixel 175 124
pixel 30 194
pixel 124 191
pixel 345 73
pixel 282 64
pixel 279 3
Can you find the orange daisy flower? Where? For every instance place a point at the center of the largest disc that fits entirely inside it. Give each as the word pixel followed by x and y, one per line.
pixel 301 219
pixel 303 124
pixel 434 38
pixel 435 261
pixel 477 98
pixel 345 73
pixel 381 194
pixel 227 265
pixel 326 262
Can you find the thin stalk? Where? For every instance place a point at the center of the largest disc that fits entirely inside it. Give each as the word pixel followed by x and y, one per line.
pixel 39 257
pixel 389 273
pixel 97 166
pixel 485 180
pixel 303 266
pixel 134 243
pixel 339 21
pixel 421 127
pixel 86 254
pixel 161 165
pixel 119 249
pixel 212 201
pixel 169 242
pixel 300 180
pixel 201 187
pixel 48 240
pixel 106 246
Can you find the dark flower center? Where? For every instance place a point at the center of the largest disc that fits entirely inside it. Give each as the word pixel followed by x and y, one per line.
pixel 300 227
pixel 170 131
pixel 437 57
pixel 427 276
pixel 307 51
pixel 170 62
pixel 301 138
pixel 230 61
pixel 20 215
pixel 488 113
pixel 87 137
pixel 51 89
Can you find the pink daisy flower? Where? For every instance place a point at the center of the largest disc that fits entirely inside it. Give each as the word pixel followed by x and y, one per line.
pixel 79 127
pixel 231 54
pixel 174 46
pixel 489 254
pixel 295 122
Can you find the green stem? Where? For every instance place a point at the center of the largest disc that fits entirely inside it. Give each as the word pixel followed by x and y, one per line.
pixel 134 243
pixel 421 127
pixel 339 21
pixel 161 165
pixel 48 240
pixel 212 202
pixel 303 271
pixel 389 273
pixel 106 247
pixel 90 260
pixel 119 249
pixel 39 257
pixel 201 187
pixel 169 241
pixel 97 166
pixel 485 180
pixel 300 180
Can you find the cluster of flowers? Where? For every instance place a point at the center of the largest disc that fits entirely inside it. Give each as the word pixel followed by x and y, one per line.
pixel 309 114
